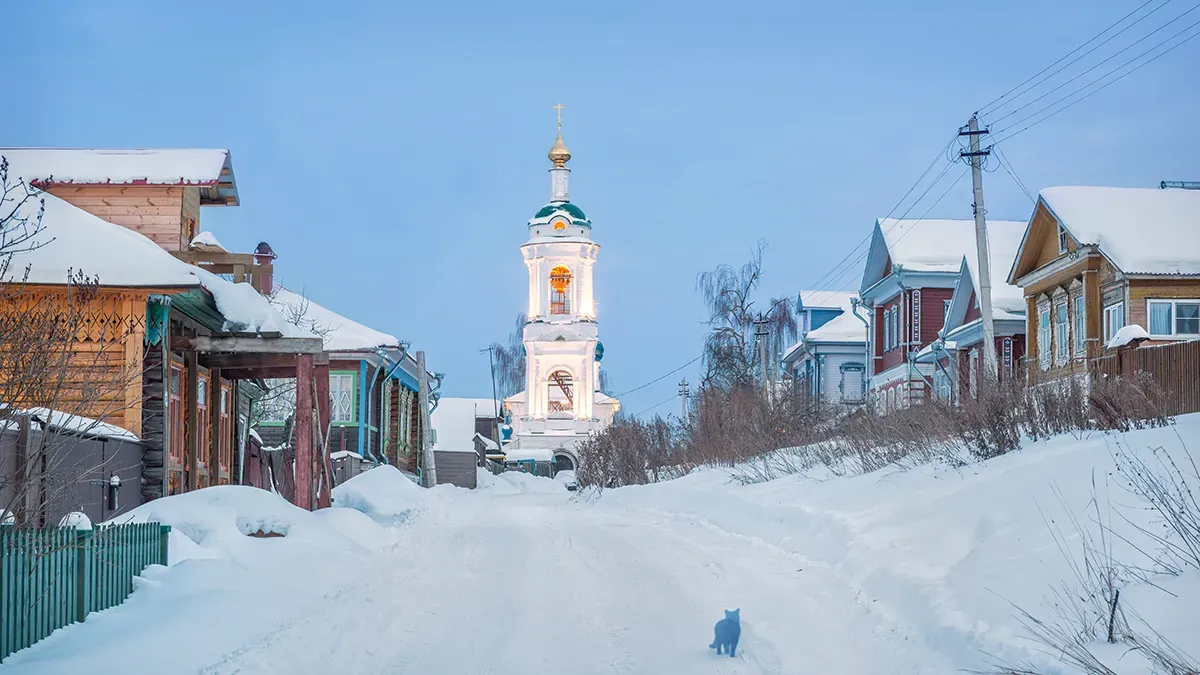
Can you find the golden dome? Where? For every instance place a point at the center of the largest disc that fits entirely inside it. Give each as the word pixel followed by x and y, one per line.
pixel 559 154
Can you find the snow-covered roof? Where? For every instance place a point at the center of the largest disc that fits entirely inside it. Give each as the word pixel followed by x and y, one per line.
pixel 73 240
pixel 245 309
pixel 343 334
pixel 76 424
pixel 845 327
pixel 454 422
pixel 537 454
pixel 127 167
pixel 1004 238
pixel 1143 231
pixel 487 442
pixel 932 245
pixel 826 299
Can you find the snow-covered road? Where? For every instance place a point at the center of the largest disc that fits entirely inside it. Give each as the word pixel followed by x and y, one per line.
pixel 533 583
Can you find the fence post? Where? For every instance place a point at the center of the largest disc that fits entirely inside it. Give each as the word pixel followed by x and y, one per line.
pixel 164 544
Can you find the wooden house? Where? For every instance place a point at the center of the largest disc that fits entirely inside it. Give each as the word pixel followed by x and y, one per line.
pixel 829 361
pixel 911 270
pixel 957 354
pixel 374 385
pixel 197 344
pixel 1095 259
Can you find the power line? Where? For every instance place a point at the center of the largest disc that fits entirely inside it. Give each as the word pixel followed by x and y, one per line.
pixel 660 403
pixel 660 378
pixel 1106 84
pixel 1025 90
pixel 1110 57
pixel 841 277
pixel 1012 173
pixel 867 240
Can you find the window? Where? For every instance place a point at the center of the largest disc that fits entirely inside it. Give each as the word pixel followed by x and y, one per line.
pixel 203 422
pixel 175 408
pixel 225 442
pixel 1080 324
pixel 887 330
pixel 896 326
pixel 1063 238
pixel 1174 318
pixel 852 382
pixel 1062 329
pixel 973 375
pixel 1043 335
pixel 560 290
pixel 916 317
pixel 1114 320
pixel 560 394
pixel 341 397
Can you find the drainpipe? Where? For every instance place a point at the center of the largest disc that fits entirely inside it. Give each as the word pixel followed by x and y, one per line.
pixel 371 397
pixel 855 303
pixel 939 345
pixel 363 397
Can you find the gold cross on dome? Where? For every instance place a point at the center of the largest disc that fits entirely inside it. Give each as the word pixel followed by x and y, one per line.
pixel 559 108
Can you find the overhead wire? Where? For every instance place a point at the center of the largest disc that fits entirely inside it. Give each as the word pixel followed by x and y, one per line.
pixel 988 106
pixel 1012 173
pixel 659 378
pixel 1033 86
pixel 1097 65
pixel 1006 136
pixel 660 403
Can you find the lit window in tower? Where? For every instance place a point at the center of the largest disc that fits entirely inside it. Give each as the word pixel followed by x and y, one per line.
pixel 560 290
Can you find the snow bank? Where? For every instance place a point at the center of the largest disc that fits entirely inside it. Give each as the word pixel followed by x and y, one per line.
pixel 383 493
pixel 519 483
pixel 950 552
pixel 76 520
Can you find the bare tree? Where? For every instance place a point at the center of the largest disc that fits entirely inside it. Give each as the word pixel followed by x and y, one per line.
pixel 279 403
pixel 509 361
pixel 732 354
pixel 61 364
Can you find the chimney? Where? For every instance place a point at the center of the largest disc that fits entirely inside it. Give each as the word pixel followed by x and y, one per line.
pixel 264 257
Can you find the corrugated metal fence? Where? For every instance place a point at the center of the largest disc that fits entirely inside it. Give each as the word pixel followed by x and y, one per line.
pixel 53 577
pixel 1173 368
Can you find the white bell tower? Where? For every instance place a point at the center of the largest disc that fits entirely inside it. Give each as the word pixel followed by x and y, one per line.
pixel 562 402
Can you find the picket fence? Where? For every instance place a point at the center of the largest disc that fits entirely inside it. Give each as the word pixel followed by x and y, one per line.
pixel 53 577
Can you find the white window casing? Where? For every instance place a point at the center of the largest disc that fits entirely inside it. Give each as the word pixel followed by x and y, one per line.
pixel 1043 333
pixel 1079 324
pixel 341 397
pixel 1173 319
pixel 1062 328
pixel 916 317
pixel 1114 320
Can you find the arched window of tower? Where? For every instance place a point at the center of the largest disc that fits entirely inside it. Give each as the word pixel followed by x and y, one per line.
pixel 560 394
pixel 560 290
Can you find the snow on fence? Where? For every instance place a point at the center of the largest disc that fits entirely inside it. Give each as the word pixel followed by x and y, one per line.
pixel 53 577
pixel 1172 367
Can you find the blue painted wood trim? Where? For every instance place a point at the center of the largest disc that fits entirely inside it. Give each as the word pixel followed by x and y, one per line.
pixel 362 401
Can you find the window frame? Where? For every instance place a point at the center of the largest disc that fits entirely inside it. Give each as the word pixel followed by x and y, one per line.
pixel 1045 334
pixel 352 396
pixel 862 381
pixel 1063 239
pixel 887 329
pixel 916 316
pixel 1116 309
pixel 175 410
pixel 1060 321
pixel 203 421
pixel 561 299
pixel 973 373
pixel 1079 325
pixel 225 426
pixel 945 312
pixel 1174 303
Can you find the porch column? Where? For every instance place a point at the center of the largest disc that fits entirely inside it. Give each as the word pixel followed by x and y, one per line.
pixel 321 373
pixel 192 426
pixel 213 451
pixel 304 435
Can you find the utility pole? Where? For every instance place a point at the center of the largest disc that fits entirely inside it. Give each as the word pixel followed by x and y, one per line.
pixel 760 334
pixel 683 400
pixel 981 245
pixel 429 470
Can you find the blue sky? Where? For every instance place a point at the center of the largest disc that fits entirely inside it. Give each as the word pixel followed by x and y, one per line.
pixel 392 152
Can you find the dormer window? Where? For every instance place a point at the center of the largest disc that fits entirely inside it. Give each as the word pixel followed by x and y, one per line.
pixel 1063 237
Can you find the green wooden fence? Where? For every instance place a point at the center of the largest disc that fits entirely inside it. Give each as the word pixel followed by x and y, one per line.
pixel 53 577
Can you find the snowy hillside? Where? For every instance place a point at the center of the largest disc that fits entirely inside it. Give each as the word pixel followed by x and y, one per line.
pixel 892 572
